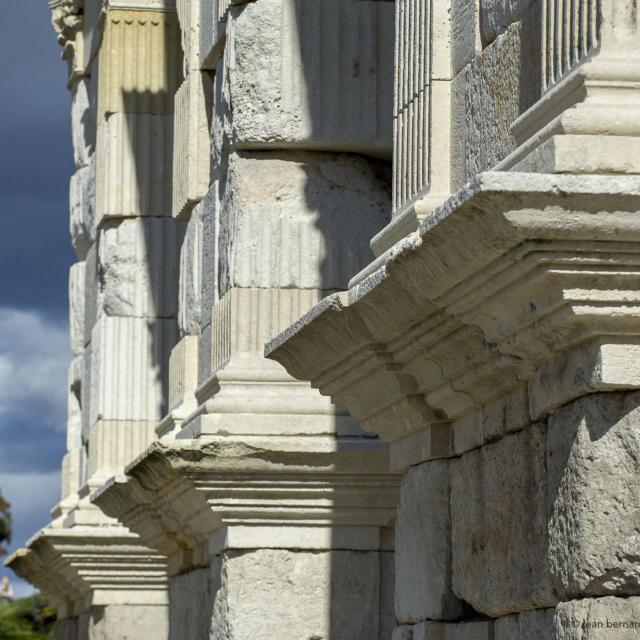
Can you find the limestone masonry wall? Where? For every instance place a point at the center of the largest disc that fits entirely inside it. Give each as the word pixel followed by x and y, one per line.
pixel 428 213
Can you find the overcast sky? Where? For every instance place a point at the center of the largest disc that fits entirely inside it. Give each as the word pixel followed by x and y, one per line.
pixel 36 163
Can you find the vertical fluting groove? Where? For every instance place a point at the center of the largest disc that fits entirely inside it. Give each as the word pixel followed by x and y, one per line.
pixel 570 33
pixel 411 96
pixel 556 41
pixel 245 318
pixel 545 44
pixel 140 62
pixel 584 32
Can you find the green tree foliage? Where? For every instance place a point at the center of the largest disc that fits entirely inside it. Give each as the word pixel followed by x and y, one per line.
pixel 5 524
pixel 27 619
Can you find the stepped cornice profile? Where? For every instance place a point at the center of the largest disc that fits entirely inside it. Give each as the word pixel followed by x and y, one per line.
pixel 193 499
pixel 496 288
pixel 92 566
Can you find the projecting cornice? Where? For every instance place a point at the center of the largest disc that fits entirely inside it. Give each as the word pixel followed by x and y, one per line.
pixel 85 566
pixel 190 499
pixel 516 276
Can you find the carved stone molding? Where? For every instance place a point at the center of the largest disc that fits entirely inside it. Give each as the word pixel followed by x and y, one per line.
pixel 509 278
pixel 192 499
pixel 67 20
pixel 85 566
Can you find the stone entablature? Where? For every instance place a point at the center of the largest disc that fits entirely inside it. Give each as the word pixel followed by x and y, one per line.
pixel 93 566
pixel 491 293
pixel 193 500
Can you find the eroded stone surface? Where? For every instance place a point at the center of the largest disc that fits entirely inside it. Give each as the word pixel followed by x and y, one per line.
pixel 467 630
pixel 277 592
pixel 499 525
pixel 266 99
pixel 191 605
pixel 82 190
pixel 404 632
pixel 284 220
pixel 486 97
pixel 124 622
pixel 83 120
pixel 138 262
pixel 528 625
pixel 190 281
pixel 594 496
pixel 76 307
pixel 497 15
pixel 423 546
pixel 594 619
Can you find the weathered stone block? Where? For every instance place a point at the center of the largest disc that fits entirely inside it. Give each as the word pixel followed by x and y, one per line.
pixel 204 354
pixel 507 414
pixel 457 631
pixel 71 470
pixel 189 19
pixel 190 280
pixel 467 432
pixel 313 85
pixel 213 16
pixel 183 372
pixel 129 367
pixel 76 307
pixel 499 525
pixel 245 319
pixel 284 220
pixel 85 393
pixel 191 605
pixel 134 161
pixel 82 193
pixel 191 152
pixel 387 616
pixel 464 34
pixel 404 632
pixel 74 415
pixel 598 619
pixel 277 592
pixel 488 95
pixel 497 15
pixel 83 121
pixel 208 211
pixel 125 621
pixel 423 546
pixel 528 625
pixel 138 267
pixel 594 495
pixel 91 283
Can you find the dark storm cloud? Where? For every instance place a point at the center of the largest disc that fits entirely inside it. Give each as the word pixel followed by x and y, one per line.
pixel 35 161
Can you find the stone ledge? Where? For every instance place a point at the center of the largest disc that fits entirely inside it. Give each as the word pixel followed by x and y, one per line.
pixel 510 275
pixel 85 566
pixel 193 499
